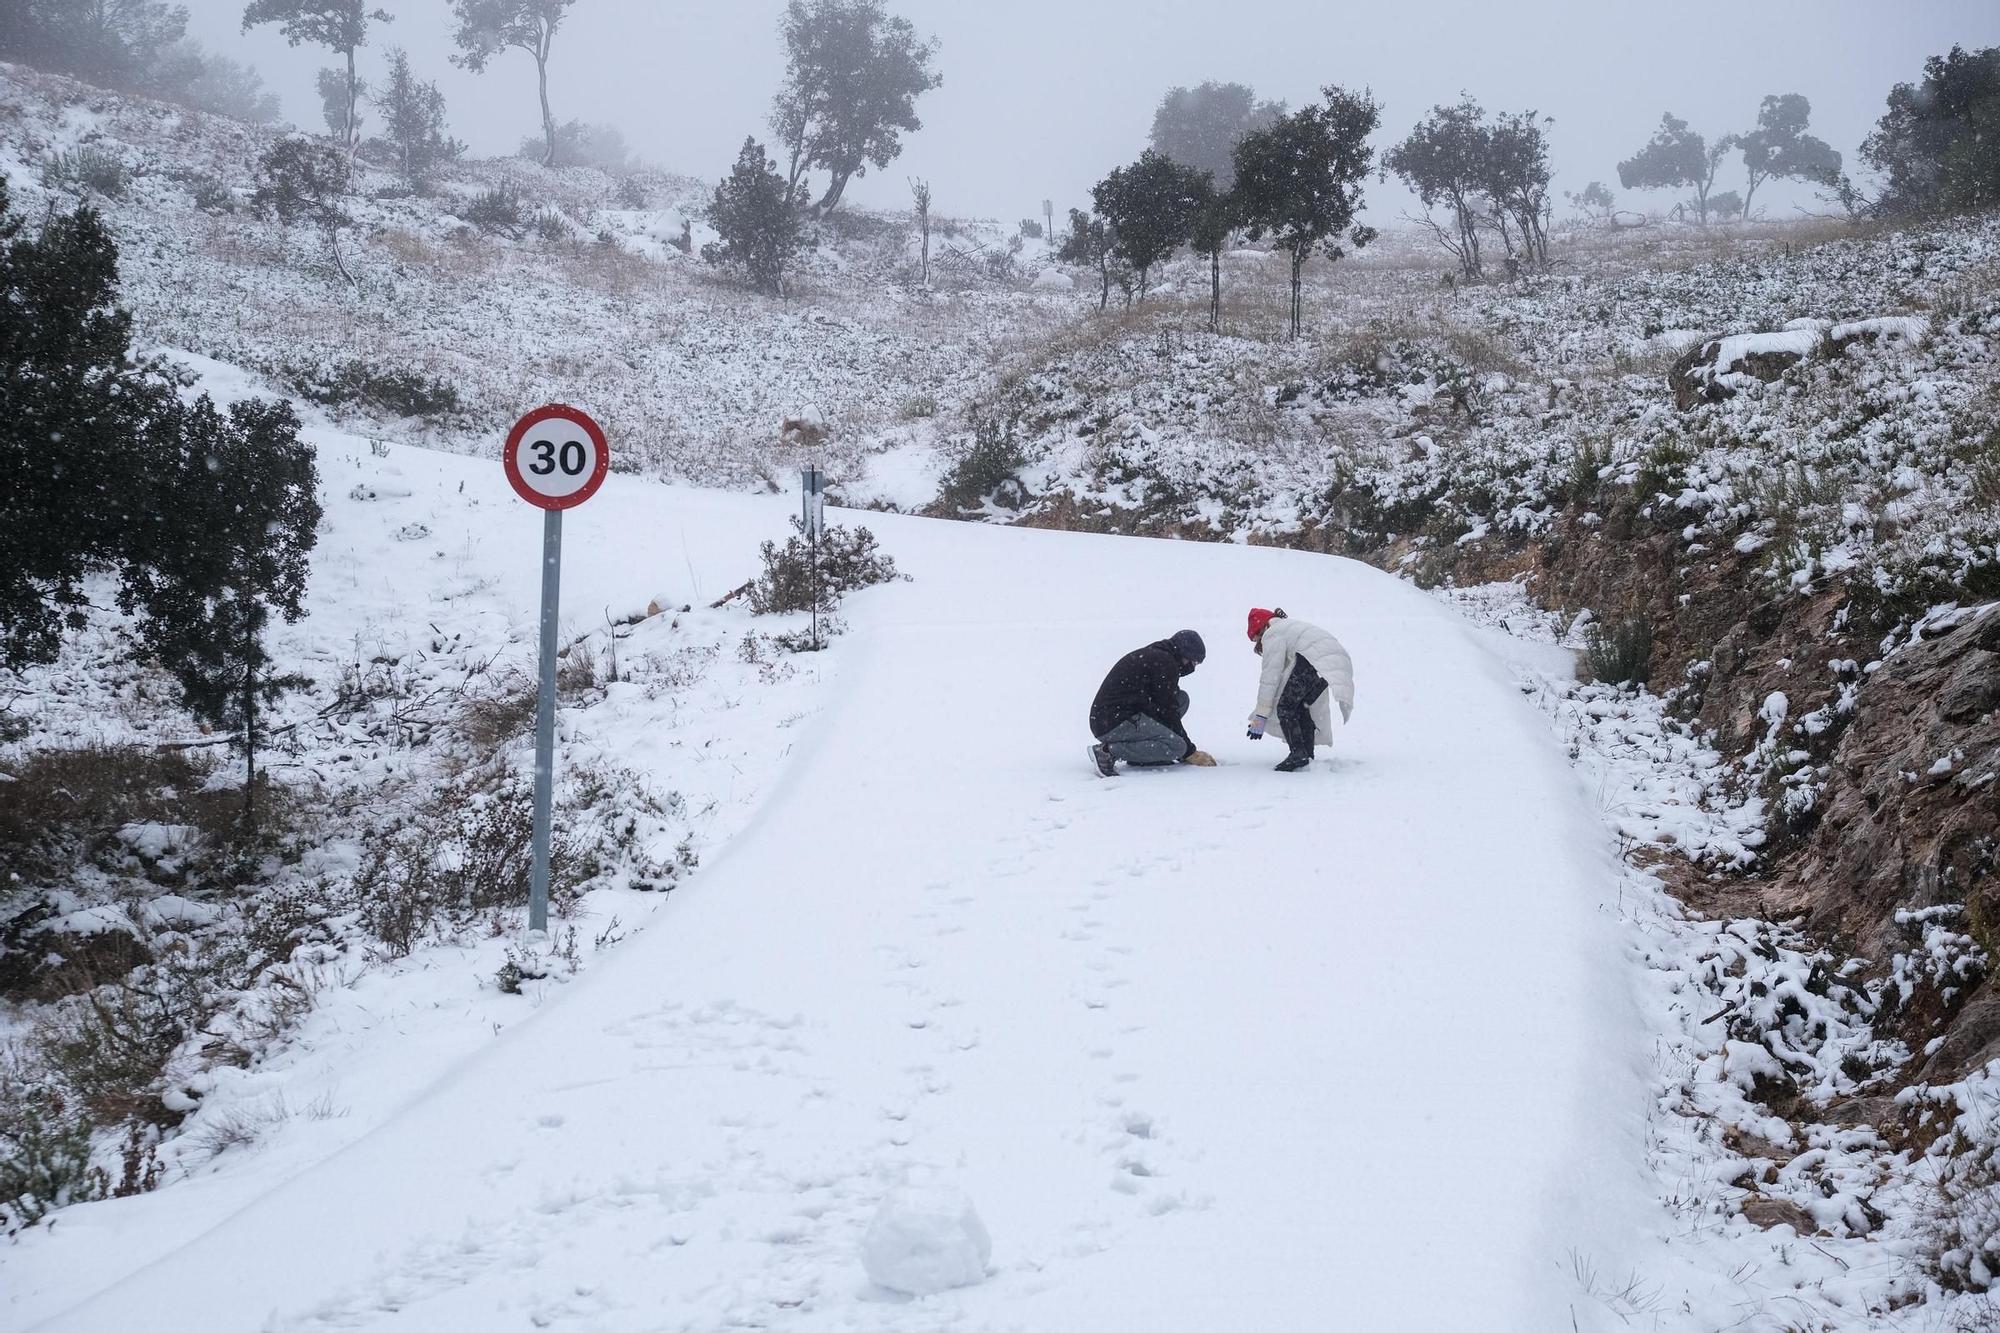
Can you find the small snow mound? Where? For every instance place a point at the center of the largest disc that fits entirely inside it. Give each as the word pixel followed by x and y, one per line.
pixel 924 1241
pixel 1907 328
pixel 1797 342
pixel 1054 280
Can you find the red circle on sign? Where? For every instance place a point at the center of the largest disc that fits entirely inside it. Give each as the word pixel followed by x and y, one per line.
pixel 599 464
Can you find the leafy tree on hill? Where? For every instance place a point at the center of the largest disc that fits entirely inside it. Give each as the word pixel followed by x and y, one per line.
pixel 216 84
pixel 341 26
pixel 205 519
pixel 243 491
pixel 1092 240
pixel 414 125
pixel 486 28
pixel 305 181
pixel 111 42
pixel 1938 144
pixel 1299 181
pixel 1676 158
pixel 1445 163
pixel 1780 149
pixel 1216 219
pixel 853 73
pixel 1517 181
pixel 752 212
pixel 64 376
pixel 579 144
pixel 1200 127
pixel 1150 207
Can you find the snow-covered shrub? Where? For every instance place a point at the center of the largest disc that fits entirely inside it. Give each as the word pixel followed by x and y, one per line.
pixel 1964 1242
pixel 497 212
pixel 982 466
pixel 796 578
pixel 354 383
pixel 87 169
pixel 45 1153
pixel 463 853
pixel 65 804
pixel 1619 652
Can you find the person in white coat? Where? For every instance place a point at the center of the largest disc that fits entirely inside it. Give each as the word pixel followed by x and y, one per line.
pixel 1305 672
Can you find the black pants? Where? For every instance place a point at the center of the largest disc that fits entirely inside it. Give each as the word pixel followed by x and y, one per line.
pixel 1302 689
pixel 1148 741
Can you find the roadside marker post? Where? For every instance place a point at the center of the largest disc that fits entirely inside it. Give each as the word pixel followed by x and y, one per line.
pixel 556 458
pixel 812 520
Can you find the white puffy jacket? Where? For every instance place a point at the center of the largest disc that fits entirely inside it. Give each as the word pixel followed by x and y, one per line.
pixel 1285 642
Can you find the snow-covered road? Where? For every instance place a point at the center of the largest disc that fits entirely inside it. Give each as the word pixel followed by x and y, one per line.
pixel 1223 1049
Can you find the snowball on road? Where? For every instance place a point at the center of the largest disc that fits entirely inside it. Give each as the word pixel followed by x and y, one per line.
pixel 1208 1049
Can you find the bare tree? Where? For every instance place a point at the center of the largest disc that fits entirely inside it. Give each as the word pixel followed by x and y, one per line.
pixel 920 199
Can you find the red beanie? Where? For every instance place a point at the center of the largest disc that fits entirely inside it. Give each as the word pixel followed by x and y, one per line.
pixel 1260 620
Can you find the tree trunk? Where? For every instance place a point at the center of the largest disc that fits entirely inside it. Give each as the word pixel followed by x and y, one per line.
pixel 548 116
pixel 837 187
pixel 353 144
pixel 250 747
pixel 1104 271
pixel 1215 290
pixel 340 263
pixel 1298 291
pixel 1750 192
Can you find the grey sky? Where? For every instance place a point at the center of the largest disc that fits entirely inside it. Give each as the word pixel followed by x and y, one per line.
pixel 1042 97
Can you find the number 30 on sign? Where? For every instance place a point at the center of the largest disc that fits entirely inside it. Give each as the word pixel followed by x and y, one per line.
pixel 557 457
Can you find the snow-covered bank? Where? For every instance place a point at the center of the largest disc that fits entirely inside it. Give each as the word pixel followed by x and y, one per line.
pixel 1203 1049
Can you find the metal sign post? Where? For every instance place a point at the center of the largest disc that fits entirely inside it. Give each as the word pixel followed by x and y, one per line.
pixel 556 458
pixel 812 521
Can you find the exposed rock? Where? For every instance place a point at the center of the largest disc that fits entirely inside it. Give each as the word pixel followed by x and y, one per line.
pixel 1912 817
pixel 1704 374
pixel 1769 1213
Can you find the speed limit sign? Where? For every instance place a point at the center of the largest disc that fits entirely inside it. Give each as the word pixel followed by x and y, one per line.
pixel 557 457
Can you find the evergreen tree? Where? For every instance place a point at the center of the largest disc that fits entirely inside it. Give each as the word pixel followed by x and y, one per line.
pixel 340 97
pixel 1200 127
pixel 1779 148
pixel 1517 179
pixel 74 405
pixel 243 492
pixel 413 123
pixel 1445 163
pixel 486 28
pixel 339 25
pixel 752 212
pixel 1215 221
pixel 110 42
pixel 1939 142
pixel 1676 158
pixel 304 181
pixel 853 73
pixel 206 520
pixel 1299 181
pixel 1092 240
pixel 1150 207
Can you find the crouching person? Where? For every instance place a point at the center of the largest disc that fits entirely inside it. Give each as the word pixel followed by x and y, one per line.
pixel 1140 709
pixel 1304 668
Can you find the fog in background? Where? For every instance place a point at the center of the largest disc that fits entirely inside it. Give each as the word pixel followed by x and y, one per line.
pixel 1042 97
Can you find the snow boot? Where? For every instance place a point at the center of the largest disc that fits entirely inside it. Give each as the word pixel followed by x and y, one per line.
pixel 1106 762
pixel 1295 761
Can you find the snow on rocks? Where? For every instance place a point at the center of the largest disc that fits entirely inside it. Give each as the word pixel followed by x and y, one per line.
pixel 926 1240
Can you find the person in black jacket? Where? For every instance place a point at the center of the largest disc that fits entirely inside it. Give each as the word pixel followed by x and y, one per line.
pixel 1137 714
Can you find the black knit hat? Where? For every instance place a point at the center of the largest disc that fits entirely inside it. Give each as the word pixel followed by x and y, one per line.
pixel 1189 645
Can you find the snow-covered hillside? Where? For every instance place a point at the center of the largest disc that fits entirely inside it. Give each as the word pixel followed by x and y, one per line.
pixel 587 301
